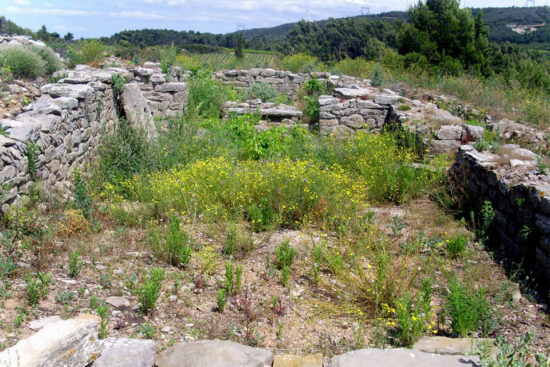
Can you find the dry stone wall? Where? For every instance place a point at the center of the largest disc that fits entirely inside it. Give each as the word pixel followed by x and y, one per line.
pixel 70 119
pixel 519 195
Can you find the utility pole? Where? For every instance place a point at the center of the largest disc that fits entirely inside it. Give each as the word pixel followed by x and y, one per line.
pixel 532 2
pixel 365 10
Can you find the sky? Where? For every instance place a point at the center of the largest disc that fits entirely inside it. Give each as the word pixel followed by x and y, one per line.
pixel 96 18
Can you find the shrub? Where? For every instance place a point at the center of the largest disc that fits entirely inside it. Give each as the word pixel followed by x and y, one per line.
pixel 263 91
pixel 284 255
pixel 149 291
pixel 189 62
pixel 299 63
pixel 82 199
pixel 457 246
pixel 167 58
pixel 358 67
pixel 511 353
pixel 413 316
pixel 118 81
pixel 377 79
pixel 103 312
pixel 23 61
pixel 284 192
pixel 52 63
pixel 75 264
pixel 91 50
pixel 221 299
pixel 207 97
pixel 175 247
pixel 468 309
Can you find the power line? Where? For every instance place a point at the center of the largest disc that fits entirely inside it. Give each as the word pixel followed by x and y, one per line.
pixel 365 10
pixel 527 2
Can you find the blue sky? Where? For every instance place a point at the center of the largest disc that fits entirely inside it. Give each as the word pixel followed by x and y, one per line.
pixel 94 18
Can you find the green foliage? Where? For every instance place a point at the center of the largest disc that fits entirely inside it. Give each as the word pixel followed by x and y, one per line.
pixel 147 330
pixel 299 63
pixel 31 152
pixel 285 275
pixel 149 290
pixel 167 59
pixel 23 62
pixel 413 316
pixel 82 199
pixel 358 67
pixel 91 50
pixel 378 79
pixel 104 314
pixel 239 48
pixel 37 288
pixel 457 246
pixel 221 299
pixel 284 255
pixel 52 63
pixel 175 246
pixel 64 298
pixel 487 217
pixel 317 259
pixel 75 264
pixel 447 36
pixel 309 95
pixel 263 91
pixel 123 154
pixel 516 353
pixel 207 97
pixel 468 309
pixel 118 81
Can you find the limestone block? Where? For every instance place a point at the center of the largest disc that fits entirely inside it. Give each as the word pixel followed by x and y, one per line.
pixel 126 352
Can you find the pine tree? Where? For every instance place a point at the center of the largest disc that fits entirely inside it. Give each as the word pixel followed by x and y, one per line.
pixel 239 49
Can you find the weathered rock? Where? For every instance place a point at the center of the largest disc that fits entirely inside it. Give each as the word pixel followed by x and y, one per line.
pixel 312 360
pixel 118 302
pixel 450 132
pixel 401 358
pixel 444 146
pixel 475 132
pixel 385 99
pixel 77 91
pixel 67 343
pixel 351 93
pixel 354 121
pixel 214 353
pixel 41 323
pixel 137 110
pixel 449 346
pixel 172 87
pixel 126 352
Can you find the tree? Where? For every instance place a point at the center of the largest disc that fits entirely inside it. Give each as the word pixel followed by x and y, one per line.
pixel 446 35
pixel 68 37
pixel 239 48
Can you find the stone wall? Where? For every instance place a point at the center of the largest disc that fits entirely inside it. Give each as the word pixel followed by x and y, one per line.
pixel 284 82
pixel 68 121
pixel 518 193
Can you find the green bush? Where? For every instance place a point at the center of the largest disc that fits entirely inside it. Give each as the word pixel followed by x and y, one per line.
pixel 52 63
pixel 263 91
pixel 207 97
pixel 92 50
pixel 149 291
pixel 468 309
pixel 457 246
pixel 299 63
pixel 284 255
pixel 23 62
pixel 413 315
pixel 358 67
pixel 175 247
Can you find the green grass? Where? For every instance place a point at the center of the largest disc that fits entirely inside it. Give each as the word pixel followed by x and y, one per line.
pixel 219 61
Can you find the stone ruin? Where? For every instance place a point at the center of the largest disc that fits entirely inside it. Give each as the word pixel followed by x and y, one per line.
pixel 69 119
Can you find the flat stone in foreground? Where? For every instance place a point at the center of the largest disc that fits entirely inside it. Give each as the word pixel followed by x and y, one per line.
pixel 214 353
pixel 126 352
pixel 67 343
pixel 452 346
pixel 400 358
pixel 312 360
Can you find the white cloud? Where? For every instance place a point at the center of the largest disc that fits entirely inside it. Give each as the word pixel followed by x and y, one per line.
pixel 22 2
pixel 47 11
